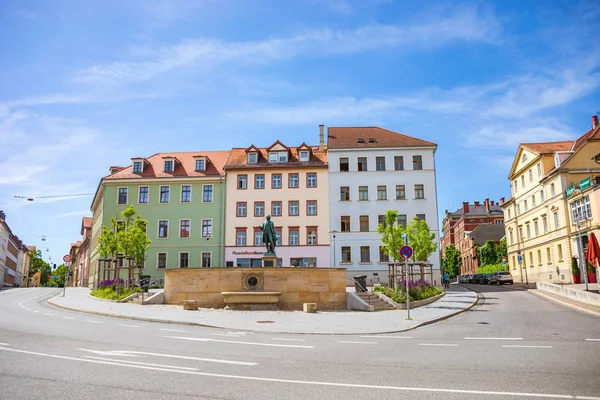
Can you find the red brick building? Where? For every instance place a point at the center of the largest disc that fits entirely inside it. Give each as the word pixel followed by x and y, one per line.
pixel 458 226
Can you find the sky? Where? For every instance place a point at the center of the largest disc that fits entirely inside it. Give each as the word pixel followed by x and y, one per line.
pixel 89 84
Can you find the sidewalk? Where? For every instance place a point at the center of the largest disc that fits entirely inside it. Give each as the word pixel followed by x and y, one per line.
pixel 456 300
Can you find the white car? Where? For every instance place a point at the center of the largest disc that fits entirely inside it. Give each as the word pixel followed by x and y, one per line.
pixel 500 278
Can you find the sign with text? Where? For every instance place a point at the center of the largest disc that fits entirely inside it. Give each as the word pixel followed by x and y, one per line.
pixel 570 190
pixel 586 183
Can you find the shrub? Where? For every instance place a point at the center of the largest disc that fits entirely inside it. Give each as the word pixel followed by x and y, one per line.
pixel 417 290
pixel 574 266
pixel 110 293
pixel 491 268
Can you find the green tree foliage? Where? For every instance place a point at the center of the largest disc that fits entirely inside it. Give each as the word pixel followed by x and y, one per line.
pixel 421 239
pixel 452 261
pixel 37 264
pixel 501 249
pixel 488 253
pixel 60 271
pixel 391 232
pixel 127 238
pixel 490 268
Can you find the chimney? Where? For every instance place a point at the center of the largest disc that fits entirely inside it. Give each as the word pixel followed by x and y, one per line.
pixel 492 203
pixel 501 201
pixel 2 216
pixel 487 204
pixel 476 204
pixel 321 138
pixel 466 206
pixel 594 121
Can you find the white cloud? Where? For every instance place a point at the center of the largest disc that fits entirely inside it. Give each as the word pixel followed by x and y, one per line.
pixel 70 214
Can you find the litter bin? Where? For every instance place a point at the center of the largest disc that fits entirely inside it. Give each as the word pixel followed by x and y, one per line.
pixel 360 283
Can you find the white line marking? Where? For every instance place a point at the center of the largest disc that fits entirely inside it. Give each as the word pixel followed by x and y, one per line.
pixel 493 338
pixel 27 309
pixel 33 298
pixel 439 344
pixel 170 330
pixel 592 340
pixel 289 340
pixel 527 347
pixel 4 344
pixel 386 337
pixel 124 353
pixel 93 322
pixel 36 311
pixel 236 342
pixel 314 383
pixel 50 315
pixel 351 342
pixel 140 363
pixel 129 326
pixel 68 318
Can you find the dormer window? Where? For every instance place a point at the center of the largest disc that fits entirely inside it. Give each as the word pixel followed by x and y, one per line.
pixel 278 156
pixel 200 165
pixel 252 158
pixel 168 166
pixel 360 140
pixel 372 140
pixel 137 167
pixel 524 158
pixel 304 155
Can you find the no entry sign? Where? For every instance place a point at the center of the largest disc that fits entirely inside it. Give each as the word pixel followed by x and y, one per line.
pixel 67 258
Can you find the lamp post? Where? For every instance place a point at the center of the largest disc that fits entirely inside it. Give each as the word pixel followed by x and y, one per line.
pixel 208 237
pixel 334 250
pixel 582 261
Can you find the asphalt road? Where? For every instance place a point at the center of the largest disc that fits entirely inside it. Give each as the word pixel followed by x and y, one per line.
pixel 512 345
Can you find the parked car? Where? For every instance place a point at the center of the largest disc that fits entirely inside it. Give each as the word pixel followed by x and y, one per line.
pixel 478 278
pixel 500 278
pixel 485 279
pixel 470 278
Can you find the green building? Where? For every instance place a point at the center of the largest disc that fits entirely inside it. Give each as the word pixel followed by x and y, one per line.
pixel 181 196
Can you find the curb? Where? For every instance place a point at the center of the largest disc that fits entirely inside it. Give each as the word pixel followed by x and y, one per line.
pixel 573 306
pixel 164 321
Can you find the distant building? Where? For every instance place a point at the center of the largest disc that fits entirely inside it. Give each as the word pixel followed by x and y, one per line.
pixel 13 256
pixel 458 226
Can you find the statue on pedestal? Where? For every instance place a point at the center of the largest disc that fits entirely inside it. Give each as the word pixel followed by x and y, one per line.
pixel 269 236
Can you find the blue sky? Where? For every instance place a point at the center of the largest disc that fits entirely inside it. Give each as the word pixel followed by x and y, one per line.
pixel 86 85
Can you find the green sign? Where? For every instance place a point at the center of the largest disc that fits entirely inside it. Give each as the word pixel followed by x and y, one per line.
pixel 586 183
pixel 570 190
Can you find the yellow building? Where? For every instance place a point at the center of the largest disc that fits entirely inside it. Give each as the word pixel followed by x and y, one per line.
pixel 539 227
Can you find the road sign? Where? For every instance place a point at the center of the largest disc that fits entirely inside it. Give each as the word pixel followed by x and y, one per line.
pixel 54 276
pixel 67 258
pixel 520 258
pixel 406 252
pixel 518 251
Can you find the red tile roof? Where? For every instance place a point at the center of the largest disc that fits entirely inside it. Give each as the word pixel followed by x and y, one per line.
pixel 87 222
pixel 239 158
pixel 548 147
pixel 348 138
pixel 184 168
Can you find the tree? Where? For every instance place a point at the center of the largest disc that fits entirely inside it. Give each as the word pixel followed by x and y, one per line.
pixel 421 239
pixel 61 272
pixel 488 253
pixel 501 249
pixel 452 261
pixel 391 232
pixel 38 264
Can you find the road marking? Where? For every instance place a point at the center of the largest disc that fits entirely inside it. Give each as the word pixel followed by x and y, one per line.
pixel 439 344
pixel 351 342
pixel 124 353
pixel 313 383
pixel 27 309
pixel 171 330
pixel 236 342
pixel 528 347
pixel 93 322
pixel 289 340
pixel 36 311
pixel 129 326
pixel 4 344
pixel 140 363
pixel 32 298
pixel 68 318
pixel 386 337
pixel 50 315
pixel 592 340
pixel 493 338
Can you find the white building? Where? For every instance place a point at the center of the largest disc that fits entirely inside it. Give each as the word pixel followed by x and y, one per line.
pixel 372 170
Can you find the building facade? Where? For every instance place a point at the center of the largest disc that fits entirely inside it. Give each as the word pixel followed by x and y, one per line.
pixel 14 261
pixel 540 230
pixel 180 196
pixel 372 170
pixel 287 183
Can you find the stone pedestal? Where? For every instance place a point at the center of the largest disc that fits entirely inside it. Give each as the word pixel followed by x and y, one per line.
pixel 269 261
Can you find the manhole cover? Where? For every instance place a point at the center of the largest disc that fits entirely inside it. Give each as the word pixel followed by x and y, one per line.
pixel 484 323
pixel 265 322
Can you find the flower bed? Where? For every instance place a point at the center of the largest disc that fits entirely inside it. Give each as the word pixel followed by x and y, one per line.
pixel 417 290
pixel 110 293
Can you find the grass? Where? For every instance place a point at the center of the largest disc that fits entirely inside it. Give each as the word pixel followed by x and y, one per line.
pixel 417 292
pixel 110 294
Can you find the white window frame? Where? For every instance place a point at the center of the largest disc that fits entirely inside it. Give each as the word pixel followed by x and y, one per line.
pixel 158 228
pixel 308 207
pixel 308 179
pixel 159 194
pixel 172 165
pixel 190 233
pixel 263 208
pixel 197 165
pixel 141 164
pixel 237 239
pixel 282 157
pixel 296 177
pixel 252 157
pixel 202 259
pixel 304 155
pixel 258 238
pixel 237 209
pixel 264 178
pixel 581 209
pixel 297 235
pixel 179 259
pixel 208 234
pixel 147 194
pixel 273 156
pixel 181 194
pixel 212 194
pixel 297 208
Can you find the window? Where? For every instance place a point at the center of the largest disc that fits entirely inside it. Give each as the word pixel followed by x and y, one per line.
pixel 241 237
pixel 278 236
pixel 398 163
pixel 402 220
pixel 417 162
pixel 381 220
pixel 283 156
pixel 511 237
pixel 548 255
pixel 364 223
pixel 542 196
pixel 362 163
pixel 252 158
pixel 508 214
pixel 276 181
pixel 556 222
pixel 273 156
pixel 345 223
pixel 311 180
pixel 539 169
pixel 294 208
pixel 164 194
pixel 162 261
pixel 276 208
pixel 207 193
pixel 380 163
pixel 184 228
pixel 516 186
pixel 137 167
pixel 581 209
pixel 344 193
pixel 259 181
pixel 365 254
pixel 528 231
pixel 524 158
pixel 381 192
pixel 278 156
pixel 522 181
pixel 122 196
pixel 200 165
pixel 518 209
pixel 293 180
pixel 242 182
pixel 206 228
pixel 294 237
pixel 311 207
pixel 168 166
pixel 143 195
pixel 311 236
pixel 521 237
pixel 530 175
pixel 259 208
pixel 514 263
pixel 525 205
pixel 560 254
pixel 308 262
pixel 533 201
pixel 163 229
pixel 346 254
pixel 184 259
pixel 186 194
pixel 536 228
pixel 545 223
pixel 419 192
pixel 304 155
pixel 258 237
pixel 383 255
pixel 206 259
pixel 241 209
pixel 552 190
pixel 344 164
pixel 363 193
pixel 400 192
pixel 530 259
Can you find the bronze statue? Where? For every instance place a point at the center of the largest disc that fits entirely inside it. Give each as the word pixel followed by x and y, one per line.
pixel 269 235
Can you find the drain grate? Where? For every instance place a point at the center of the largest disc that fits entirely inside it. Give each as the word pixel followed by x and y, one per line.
pixel 265 322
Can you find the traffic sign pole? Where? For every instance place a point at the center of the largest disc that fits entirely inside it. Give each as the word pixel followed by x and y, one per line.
pixel 67 260
pixel 406 253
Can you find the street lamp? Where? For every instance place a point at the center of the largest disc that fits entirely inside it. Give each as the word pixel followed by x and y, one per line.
pixel 582 261
pixel 334 251
pixel 208 237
